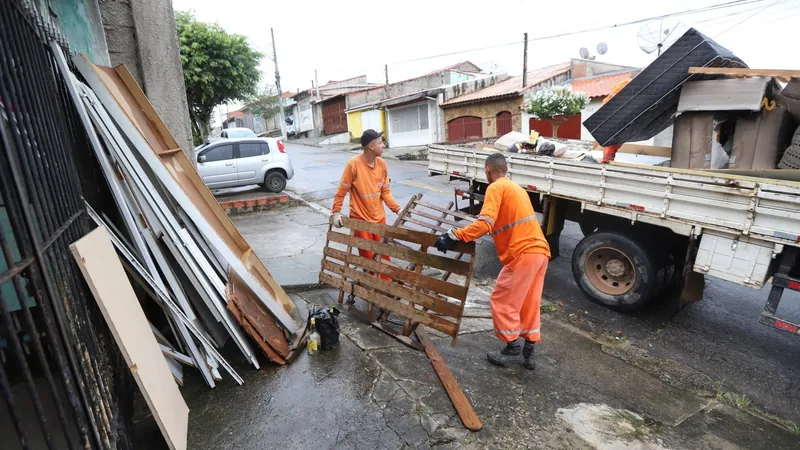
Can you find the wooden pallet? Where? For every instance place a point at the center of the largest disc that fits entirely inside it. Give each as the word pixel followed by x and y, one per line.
pixel 418 298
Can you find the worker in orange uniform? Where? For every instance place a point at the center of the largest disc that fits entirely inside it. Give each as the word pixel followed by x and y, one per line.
pixel 366 179
pixel 507 214
pixel 610 152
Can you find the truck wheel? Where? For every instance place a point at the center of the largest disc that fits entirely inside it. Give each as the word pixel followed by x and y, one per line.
pixel 615 271
pixel 274 181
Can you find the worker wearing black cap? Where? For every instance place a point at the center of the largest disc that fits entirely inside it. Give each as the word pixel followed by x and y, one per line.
pixel 366 179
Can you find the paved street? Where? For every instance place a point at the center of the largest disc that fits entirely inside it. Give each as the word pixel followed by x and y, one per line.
pixel 712 347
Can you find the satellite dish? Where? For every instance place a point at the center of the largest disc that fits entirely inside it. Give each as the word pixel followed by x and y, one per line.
pixel 602 48
pixel 658 35
pixel 584 52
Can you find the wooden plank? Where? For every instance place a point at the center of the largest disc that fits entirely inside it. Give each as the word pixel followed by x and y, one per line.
pixel 404 234
pixel 451 212
pixel 257 316
pixel 425 224
pixel 435 261
pixel 452 223
pixel 460 401
pixel 105 276
pixel 398 273
pixel 436 304
pixel 734 72
pixel 177 356
pixel 394 306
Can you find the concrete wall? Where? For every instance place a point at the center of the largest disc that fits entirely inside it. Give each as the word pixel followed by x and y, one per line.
pixel 392 90
pixel 583 68
pixel 141 34
pixel 475 84
pixel 488 111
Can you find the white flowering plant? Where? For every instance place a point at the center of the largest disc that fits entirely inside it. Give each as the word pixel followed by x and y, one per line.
pixel 555 104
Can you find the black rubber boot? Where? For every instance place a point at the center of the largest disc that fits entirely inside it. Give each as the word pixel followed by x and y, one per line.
pixel 527 353
pixel 509 355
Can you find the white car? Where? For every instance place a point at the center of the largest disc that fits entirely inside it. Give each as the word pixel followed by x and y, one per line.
pixel 245 161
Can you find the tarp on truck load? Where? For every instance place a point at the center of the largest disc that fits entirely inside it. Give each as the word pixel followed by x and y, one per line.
pixel 646 105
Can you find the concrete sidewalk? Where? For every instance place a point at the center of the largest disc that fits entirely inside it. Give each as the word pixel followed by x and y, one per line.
pixel 373 392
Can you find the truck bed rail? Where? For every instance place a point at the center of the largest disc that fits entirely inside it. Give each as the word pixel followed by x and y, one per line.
pixel 765 209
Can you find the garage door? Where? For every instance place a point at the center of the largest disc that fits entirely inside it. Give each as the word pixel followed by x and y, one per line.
pixel 465 129
pixel 334 119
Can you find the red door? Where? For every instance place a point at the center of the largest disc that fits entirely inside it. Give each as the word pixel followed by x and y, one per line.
pixel 465 129
pixel 503 123
pixel 334 119
pixel 569 129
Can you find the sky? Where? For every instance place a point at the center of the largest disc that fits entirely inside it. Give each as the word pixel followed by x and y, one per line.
pixel 343 39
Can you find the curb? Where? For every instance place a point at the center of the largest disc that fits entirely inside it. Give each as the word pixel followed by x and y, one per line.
pixel 253 205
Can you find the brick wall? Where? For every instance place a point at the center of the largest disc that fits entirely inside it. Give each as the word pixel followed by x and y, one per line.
pixel 488 111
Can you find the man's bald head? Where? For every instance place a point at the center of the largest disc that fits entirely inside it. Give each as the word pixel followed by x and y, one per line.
pixel 496 167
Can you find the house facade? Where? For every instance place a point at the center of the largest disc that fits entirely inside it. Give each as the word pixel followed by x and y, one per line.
pixel 495 110
pixel 365 110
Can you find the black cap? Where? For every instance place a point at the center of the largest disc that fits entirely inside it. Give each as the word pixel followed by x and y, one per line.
pixel 369 136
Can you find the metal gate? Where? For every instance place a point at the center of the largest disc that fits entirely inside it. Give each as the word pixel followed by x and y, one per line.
pixel 334 119
pixel 63 382
pixel 465 129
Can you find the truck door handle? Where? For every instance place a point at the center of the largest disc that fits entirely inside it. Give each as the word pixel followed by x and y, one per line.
pixel 265 159
pixel 228 164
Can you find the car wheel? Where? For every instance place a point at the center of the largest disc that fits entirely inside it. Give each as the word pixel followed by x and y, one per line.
pixel 275 181
pixel 615 271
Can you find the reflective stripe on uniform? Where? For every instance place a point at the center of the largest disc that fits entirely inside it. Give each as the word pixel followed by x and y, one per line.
pixel 513 224
pixel 508 331
pixel 529 331
pixel 380 184
pixel 369 195
pixel 345 185
pixel 487 219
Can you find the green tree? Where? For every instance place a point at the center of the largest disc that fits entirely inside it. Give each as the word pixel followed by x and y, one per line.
pixel 218 67
pixel 555 104
pixel 264 103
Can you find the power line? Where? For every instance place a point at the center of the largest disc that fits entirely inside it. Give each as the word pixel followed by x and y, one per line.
pixel 748 18
pixel 729 4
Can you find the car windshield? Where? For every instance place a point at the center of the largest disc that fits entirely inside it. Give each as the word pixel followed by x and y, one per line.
pixel 241 133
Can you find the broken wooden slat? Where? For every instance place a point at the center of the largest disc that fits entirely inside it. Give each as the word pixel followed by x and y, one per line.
pixel 438 262
pixel 439 305
pixel 258 323
pixel 397 273
pixel 425 225
pixel 460 401
pixel 391 304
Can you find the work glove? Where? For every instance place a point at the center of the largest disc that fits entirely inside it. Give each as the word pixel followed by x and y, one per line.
pixel 337 220
pixel 446 241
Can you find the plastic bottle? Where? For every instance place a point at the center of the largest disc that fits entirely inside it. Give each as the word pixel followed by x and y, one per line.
pixel 312 345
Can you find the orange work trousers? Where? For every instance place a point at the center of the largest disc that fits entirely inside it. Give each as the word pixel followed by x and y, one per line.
pixel 371 237
pixel 517 297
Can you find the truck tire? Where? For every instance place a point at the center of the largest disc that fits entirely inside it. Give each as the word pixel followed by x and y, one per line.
pixel 616 271
pixel 587 227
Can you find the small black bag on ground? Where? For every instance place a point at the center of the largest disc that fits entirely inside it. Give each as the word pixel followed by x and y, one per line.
pixel 327 325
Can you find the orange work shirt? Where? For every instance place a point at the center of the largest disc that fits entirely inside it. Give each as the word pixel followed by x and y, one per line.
pixel 507 214
pixel 368 188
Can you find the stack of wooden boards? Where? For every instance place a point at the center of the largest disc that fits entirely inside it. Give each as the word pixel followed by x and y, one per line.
pixel 175 243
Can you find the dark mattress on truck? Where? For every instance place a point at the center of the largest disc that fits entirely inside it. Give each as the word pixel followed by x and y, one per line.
pixel 646 105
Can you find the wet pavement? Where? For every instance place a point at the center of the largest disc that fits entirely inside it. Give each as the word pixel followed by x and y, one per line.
pixel 373 392
pixel 662 367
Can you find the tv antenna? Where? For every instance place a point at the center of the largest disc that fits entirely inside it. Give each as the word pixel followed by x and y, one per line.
pixel 658 35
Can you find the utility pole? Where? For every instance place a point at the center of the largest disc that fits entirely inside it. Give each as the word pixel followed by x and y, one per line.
pixel 386 72
pixel 525 64
pixel 278 86
pixel 316 80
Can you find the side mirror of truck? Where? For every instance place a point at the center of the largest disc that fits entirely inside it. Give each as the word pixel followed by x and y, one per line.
pixel 201 158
